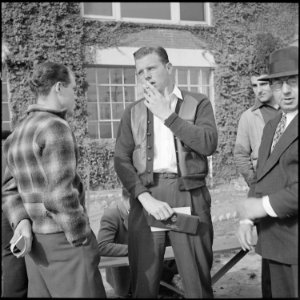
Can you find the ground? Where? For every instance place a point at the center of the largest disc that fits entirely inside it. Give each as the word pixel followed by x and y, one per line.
pixel 243 280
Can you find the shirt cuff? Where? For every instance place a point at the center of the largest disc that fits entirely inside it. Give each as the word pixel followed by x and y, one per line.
pixel 267 206
pixel 247 221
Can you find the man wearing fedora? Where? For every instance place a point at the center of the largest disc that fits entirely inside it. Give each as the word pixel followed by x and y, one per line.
pixel 272 204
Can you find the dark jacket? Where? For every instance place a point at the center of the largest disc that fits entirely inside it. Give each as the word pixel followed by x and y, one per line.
pixel 195 129
pixel 113 241
pixel 277 177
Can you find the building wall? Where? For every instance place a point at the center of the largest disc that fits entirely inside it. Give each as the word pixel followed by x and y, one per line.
pixel 240 38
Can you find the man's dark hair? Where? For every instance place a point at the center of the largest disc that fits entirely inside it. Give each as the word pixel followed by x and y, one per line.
pixel 45 75
pixel 160 51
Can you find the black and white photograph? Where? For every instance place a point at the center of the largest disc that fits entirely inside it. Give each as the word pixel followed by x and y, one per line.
pixel 149 150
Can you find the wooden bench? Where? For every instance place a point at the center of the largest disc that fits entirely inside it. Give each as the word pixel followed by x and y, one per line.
pixel 221 245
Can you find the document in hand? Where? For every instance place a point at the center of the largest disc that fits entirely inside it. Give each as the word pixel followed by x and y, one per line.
pixel 18 247
pixel 181 222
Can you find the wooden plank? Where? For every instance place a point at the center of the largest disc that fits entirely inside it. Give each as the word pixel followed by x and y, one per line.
pixel 220 273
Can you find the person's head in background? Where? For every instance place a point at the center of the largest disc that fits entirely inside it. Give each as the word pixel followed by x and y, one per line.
pixel 152 65
pixel 283 77
pixel 54 86
pixel 262 89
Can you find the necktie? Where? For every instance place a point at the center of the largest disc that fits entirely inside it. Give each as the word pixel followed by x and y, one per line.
pixel 279 130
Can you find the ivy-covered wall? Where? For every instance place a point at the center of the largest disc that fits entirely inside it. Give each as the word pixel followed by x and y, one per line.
pixel 241 37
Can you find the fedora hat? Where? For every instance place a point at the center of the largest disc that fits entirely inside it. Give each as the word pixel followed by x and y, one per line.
pixel 282 62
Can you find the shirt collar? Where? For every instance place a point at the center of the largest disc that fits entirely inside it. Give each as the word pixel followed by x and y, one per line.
pixel 291 114
pixel 259 104
pixel 177 92
pixel 37 107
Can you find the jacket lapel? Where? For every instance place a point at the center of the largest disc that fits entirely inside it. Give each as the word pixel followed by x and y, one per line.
pixel 269 160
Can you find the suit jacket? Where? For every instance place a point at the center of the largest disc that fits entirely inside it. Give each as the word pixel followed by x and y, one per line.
pixel 277 177
pixel 113 241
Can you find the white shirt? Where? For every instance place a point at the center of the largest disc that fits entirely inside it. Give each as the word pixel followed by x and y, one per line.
pixel 164 148
pixel 265 199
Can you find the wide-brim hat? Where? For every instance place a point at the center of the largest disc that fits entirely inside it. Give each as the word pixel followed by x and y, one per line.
pixel 282 62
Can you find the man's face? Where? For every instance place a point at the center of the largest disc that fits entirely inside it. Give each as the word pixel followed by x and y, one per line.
pixel 261 89
pixel 286 92
pixel 150 68
pixel 68 94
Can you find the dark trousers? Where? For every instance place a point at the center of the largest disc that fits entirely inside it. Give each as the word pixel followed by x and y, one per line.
pixel 57 269
pixel 265 279
pixel 193 253
pixel 14 274
pixel 284 280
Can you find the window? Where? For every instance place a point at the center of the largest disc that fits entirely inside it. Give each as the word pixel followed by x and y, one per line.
pixel 5 109
pixel 185 13
pixel 112 88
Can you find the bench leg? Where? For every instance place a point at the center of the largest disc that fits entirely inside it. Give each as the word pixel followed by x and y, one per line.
pixel 171 287
pixel 228 266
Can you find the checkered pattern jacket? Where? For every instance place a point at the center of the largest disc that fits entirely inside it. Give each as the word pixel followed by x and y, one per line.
pixel 40 182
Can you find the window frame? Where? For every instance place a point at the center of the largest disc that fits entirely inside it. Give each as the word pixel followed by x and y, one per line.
pixel 174 11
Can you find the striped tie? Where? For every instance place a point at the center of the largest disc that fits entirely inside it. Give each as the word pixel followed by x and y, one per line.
pixel 279 130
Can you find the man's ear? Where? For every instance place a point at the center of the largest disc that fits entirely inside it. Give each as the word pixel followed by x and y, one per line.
pixel 58 86
pixel 169 67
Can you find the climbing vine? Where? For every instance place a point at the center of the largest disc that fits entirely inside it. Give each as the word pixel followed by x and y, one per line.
pixel 241 37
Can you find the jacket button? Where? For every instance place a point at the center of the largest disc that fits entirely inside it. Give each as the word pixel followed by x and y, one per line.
pixel 149 122
pixel 149 147
pixel 149 158
pixel 148 133
pixel 149 171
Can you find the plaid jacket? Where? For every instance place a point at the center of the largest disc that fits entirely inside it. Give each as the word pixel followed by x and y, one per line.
pixel 40 182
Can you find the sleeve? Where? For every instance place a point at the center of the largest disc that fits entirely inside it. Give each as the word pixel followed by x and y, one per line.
pixel 109 228
pixel 285 201
pixel 123 157
pixel 204 129
pixel 62 196
pixel 242 151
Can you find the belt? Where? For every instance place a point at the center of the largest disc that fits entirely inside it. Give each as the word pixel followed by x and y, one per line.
pixel 165 175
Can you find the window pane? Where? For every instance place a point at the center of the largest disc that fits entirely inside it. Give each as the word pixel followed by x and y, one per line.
pixel 97 8
pixel 93 130
pixel 146 10
pixel 105 130
pixel 194 89
pixel 182 76
pixel 103 75
pixel 115 127
pixel 91 75
pixel 116 94
pixel 205 76
pixel 92 93
pixel 116 76
pixel 92 111
pixel 129 76
pixel 117 110
pixel 194 76
pixel 5 112
pixel 191 11
pixel 105 111
pixel 129 93
pixel 104 94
